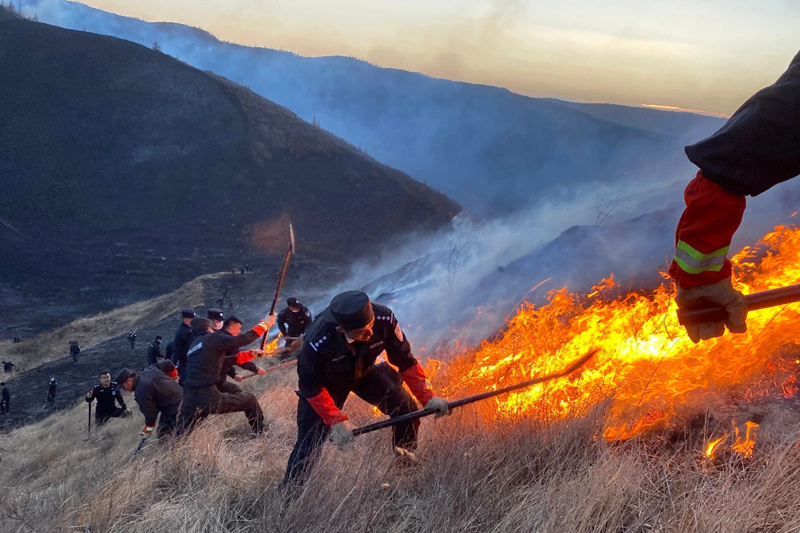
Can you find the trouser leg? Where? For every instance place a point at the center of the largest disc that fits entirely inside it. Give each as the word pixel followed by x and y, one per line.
pixel 382 387
pixel 232 399
pixel 311 433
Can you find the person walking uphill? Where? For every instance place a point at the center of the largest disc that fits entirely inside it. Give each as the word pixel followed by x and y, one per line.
pixel 154 354
pixel 183 337
pixel 107 395
pixel 5 400
pixel 207 390
pixel 757 148
pixel 339 356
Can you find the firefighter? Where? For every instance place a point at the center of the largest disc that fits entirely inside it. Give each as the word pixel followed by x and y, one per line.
pixel 155 393
pixel 132 339
pixel 8 366
pixel 107 394
pixel 207 390
pixel 293 321
pixel 756 149
pixel 340 355
pixel 5 400
pixel 183 337
pixel 154 354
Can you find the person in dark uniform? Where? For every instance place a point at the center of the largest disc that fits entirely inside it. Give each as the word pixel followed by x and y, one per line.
pixel 155 393
pixel 207 390
pixel 8 366
pixel 339 356
pixel 757 148
pixel 5 400
pixel 154 354
pixel 216 317
pixel 132 339
pixel 52 385
pixel 293 321
pixel 107 394
pixel 183 337
pixel 74 350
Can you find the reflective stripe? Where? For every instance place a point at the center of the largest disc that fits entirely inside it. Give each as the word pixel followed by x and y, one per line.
pixel 694 262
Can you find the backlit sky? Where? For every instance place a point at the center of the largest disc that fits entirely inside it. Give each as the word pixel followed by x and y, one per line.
pixel 707 55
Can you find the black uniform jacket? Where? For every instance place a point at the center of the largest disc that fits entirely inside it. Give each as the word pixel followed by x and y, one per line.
pixel 106 398
pixel 155 392
pixel 183 338
pixel 329 361
pixel 294 324
pixel 759 146
pixel 207 357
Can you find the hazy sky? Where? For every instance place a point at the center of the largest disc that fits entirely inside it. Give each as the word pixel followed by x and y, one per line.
pixel 705 55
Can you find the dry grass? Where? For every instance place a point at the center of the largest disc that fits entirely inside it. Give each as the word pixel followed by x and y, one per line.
pixel 93 330
pixel 471 476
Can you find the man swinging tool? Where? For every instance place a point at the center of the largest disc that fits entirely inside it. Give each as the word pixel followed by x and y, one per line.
pixel 339 356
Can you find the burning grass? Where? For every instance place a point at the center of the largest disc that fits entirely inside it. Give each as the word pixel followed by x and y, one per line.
pixel 654 434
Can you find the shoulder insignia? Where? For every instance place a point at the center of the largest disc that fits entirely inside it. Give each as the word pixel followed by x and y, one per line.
pixel 399 332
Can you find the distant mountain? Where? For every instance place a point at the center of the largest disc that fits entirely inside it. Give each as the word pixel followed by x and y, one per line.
pixel 121 163
pixel 491 150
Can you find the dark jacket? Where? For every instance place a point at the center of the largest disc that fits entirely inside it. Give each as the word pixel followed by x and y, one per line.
pixel 154 353
pixel 206 357
pixel 294 324
pixel 155 392
pixel 106 399
pixel 759 146
pixel 329 361
pixel 6 394
pixel 183 338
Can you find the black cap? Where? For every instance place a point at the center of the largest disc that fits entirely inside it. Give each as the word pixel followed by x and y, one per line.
pixel 201 325
pixel 124 375
pixel 352 310
pixel 215 314
pixel 159 337
pixel 232 318
pixel 292 302
pixel 187 312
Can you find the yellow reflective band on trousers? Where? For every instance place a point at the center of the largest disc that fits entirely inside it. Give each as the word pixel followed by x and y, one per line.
pixel 694 262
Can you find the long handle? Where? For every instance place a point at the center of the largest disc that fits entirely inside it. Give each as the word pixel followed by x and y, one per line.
pixel 89 429
pixel 470 399
pixel 286 258
pixel 757 300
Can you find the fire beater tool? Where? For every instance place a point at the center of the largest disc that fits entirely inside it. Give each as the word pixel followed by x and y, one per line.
pixel 89 429
pixel 476 398
pixel 286 258
pixel 757 300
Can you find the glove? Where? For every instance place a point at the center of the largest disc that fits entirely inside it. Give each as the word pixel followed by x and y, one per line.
pixel 720 293
pixel 147 431
pixel 269 321
pixel 440 404
pixel 342 433
pixel 238 378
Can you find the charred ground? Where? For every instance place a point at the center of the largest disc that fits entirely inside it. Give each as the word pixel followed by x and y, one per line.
pixel 126 173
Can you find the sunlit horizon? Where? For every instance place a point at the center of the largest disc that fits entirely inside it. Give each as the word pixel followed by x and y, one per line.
pixel 692 56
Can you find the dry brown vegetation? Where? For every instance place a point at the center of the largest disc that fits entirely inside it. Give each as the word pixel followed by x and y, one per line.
pixel 93 330
pixel 471 475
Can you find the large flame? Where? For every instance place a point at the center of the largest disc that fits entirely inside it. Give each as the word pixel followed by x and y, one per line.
pixel 647 368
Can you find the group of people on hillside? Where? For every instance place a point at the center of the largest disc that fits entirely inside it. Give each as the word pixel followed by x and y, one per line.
pixel 339 352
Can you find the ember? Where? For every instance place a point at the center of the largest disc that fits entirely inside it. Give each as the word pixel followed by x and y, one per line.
pixel 646 368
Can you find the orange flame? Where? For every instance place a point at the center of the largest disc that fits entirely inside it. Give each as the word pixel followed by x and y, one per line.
pixel 647 369
pixel 712 447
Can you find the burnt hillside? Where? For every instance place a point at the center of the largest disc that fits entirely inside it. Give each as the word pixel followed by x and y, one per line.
pixel 124 163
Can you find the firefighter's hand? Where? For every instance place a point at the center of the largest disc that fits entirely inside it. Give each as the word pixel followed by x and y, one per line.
pixel 342 433
pixel 440 405
pixel 258 353
pixel 127 412
pixel 238 378
pixel 89 396
pixel 261 371
pixel 147 431
pixel 721 293
pixel 269 321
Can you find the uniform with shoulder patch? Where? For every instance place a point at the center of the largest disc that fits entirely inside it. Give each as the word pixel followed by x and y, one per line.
pixel 329 368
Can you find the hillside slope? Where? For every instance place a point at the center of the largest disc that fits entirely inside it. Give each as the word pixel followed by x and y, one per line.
pixel 490 149
pixel 126 164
